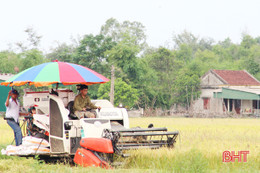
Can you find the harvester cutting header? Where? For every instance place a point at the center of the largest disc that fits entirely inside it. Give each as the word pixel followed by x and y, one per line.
pixel 82 134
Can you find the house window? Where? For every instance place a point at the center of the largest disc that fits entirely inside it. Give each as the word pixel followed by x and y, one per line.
pixel 206 102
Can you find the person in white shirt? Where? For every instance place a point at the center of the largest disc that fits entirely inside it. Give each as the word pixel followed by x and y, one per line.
pixel 12 115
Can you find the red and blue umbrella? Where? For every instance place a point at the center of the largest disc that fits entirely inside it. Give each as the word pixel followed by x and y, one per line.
pixel 56 73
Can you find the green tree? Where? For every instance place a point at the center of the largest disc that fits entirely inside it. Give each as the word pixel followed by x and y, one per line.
pixel 186 38
pixel 62 52
pixel 247 41
pixel 8 61
pixel 250 65
pixel 146 84
pixel 184 53
pixel 226 43
pixel 124 57
pixel 91 52
pixel 117 31
pixel 124 93
pixel 187 86
pixel 31 58
pixel 164 67
pixel 192 43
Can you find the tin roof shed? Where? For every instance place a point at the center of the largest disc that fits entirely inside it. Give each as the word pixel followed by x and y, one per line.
pixel 241 94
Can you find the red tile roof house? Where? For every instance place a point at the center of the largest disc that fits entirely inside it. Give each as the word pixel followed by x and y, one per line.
pixel 228 92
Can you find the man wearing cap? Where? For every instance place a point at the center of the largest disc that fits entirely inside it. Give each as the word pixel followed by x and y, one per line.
pixel 12 115
pixel 82 104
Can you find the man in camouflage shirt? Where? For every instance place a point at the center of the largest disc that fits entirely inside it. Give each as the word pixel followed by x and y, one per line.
pixel 82 104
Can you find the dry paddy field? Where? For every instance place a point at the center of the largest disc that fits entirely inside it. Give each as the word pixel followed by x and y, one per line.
pixel 199 148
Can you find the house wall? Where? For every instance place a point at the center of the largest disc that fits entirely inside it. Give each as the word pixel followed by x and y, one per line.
pixel 215 105
pixel 209 83
pixel 210 80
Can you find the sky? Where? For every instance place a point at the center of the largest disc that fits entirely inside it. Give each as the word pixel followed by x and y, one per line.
pixel 58 21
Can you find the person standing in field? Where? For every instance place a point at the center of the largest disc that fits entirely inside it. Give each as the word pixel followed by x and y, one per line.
pixel 12 115
pixel 82 104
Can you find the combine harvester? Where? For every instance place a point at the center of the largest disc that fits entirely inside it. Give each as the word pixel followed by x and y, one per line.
pixel 88 141
pixel 88 138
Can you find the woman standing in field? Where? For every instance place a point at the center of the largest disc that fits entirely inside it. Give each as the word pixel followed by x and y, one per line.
pixel 12 115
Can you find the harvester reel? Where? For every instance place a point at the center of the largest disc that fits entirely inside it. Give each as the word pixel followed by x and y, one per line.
pixel 136 138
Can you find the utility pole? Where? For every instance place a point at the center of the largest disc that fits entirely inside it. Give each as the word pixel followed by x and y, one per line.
pixel 112 87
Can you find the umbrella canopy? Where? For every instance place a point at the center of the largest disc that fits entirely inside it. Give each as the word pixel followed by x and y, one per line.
pixel 54 73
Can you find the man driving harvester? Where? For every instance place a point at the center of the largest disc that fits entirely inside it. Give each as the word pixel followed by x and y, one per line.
pixel 82 104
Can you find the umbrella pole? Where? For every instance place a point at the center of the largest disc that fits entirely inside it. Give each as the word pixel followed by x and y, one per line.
pixel 57 85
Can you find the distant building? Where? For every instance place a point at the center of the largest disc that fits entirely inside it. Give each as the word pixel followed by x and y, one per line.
pixel 4 90
pixel 228 91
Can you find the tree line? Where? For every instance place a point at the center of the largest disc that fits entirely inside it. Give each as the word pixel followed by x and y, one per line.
pixel 147 77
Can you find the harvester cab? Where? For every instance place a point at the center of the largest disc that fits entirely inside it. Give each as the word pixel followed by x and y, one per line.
pixel 118 116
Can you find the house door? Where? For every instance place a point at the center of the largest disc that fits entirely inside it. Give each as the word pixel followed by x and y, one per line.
pixel 237 104
pixel 230 105
pixel 206 102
